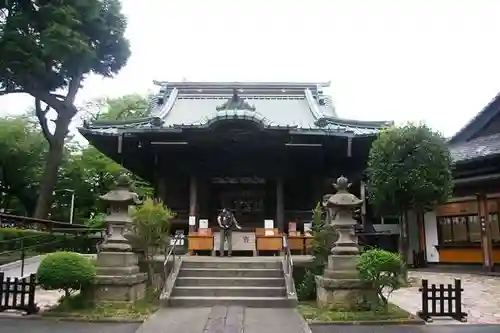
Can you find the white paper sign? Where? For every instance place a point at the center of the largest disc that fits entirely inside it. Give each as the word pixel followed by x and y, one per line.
pixel 269 224
pixel 307 227
pixel 269 232
pixel 203 224
pixel 192 220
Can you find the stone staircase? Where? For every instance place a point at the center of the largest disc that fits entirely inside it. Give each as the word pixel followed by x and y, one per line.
pixel 228 281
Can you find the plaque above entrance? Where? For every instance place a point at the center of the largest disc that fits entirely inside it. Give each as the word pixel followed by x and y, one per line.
pixel 238 180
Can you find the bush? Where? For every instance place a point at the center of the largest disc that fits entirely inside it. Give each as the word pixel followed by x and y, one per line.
pixel 384 270
pixel 323 238
pixel 35 241
pixel 68 271
pixel 150 230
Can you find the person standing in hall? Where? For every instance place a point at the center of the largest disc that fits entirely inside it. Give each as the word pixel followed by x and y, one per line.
pixel 227 221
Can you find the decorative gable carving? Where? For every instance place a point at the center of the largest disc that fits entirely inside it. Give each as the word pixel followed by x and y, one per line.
pixel 235 103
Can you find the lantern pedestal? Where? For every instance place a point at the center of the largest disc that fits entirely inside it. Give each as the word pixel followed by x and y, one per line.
pixel 340 288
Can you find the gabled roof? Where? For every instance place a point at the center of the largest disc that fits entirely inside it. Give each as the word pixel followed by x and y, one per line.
pixel 301 107
pixel 486 146
pixel 478 122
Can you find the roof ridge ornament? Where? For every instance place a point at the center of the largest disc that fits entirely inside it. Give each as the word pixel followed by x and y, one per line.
pixel 235 103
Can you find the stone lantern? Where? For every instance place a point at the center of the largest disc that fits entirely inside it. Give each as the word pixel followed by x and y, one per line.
pixel 118 276
pixel 340 286
pixel 118 219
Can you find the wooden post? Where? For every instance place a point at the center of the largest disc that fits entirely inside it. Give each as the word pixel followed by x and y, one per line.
pixel 421 237
pixel 161 192
pixel 482 205
pixel 280 204
pixel 193 199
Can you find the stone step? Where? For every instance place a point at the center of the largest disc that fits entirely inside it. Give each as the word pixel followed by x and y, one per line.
pixel 225 291
pixel 229 272
pixel 234 264
pixel 230 281
pixel 251 302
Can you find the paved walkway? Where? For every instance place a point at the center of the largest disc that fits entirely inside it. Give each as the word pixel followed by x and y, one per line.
pixel 481 296
pixel 14 269
pixel 16 325
pixel 221 319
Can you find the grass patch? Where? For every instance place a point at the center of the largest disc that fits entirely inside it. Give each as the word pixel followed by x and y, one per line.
pixel 312 313
pixel 79 307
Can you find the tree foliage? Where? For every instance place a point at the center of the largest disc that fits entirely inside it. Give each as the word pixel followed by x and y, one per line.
pixel 90 173
pixel 21 148
pixel 324 237
pixel 409 167
pixel 83 169
pixel 150 230
pixel 384 270
pixel 47 48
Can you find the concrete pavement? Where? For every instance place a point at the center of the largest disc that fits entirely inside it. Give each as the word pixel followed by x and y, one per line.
pixel 16 325
pixel 14 269
pixel 480 296
pixel 221 319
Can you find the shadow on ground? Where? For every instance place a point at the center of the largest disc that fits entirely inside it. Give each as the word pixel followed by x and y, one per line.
pixel 16 325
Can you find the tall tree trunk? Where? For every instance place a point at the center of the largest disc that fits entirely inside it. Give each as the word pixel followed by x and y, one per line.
pixel 403 236
pixel 52 163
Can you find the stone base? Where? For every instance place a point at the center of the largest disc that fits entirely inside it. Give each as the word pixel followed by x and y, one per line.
pixel 127 288
pixel 343 294
pixel 340 288
pixel 117 263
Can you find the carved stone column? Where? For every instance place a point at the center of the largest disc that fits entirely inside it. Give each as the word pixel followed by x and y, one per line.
pixel 118 276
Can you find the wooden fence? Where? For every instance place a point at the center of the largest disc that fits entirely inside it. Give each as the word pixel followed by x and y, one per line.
pixel 18 294
pixel 441 301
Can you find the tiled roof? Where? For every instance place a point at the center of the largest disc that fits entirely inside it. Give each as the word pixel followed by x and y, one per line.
pixel 298 106
pixel 476 149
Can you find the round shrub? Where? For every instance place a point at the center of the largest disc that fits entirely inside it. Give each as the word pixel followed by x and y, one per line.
pixel 384 270
pixel 66 271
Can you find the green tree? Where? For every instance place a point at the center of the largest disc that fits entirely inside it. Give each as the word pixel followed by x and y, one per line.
pixel 126 107
pixel 47 48
pixel 151 227
pixel 89 172
pixel 324 237
pixel 409 168
pixel 21 148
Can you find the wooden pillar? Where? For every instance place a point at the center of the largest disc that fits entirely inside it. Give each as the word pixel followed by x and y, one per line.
pixel 486 248
pixel 161 191
pixel 280 204
pixel 193 199
pixel 422 237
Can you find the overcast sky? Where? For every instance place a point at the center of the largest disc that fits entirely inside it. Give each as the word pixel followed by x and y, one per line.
pixel 431 60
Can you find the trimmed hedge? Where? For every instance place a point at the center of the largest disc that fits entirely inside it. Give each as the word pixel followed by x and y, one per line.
pixel 12 239
pixel 68 271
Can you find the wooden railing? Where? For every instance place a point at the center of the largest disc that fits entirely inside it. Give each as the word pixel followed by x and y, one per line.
pixel 24 222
